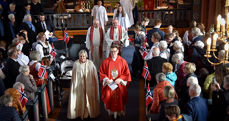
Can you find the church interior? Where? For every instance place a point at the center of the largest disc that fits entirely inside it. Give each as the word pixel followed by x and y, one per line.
pixel 200 39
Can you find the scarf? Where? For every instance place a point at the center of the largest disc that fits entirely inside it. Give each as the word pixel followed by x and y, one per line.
pixel 119 33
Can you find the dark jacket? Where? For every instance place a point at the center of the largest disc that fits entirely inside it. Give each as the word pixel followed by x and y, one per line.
pixel 31 34
pixel 49 25
pixel 8 114
pixel 149 35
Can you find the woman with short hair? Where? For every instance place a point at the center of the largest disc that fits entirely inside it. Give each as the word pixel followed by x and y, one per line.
pixel 167 69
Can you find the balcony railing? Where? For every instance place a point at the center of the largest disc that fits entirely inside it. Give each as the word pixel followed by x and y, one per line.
pixel 179 18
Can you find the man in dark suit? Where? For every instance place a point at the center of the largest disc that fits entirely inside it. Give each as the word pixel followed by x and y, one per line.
pixel 155 65
pixel 44 24
pixel 156 28
pixel 11 68
pixel 7 112
pixel 197 106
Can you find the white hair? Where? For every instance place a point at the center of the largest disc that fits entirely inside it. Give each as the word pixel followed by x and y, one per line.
pixel 26 17
pixel 18 86
pixel 160 77
pixel 196 89
pixel 192 80
pixel 24 69
pixel 199 44
pixel 177 57
pixel 83 51
pixel 156 51
pixel 10 16
pixel 163 45
pixel 196 31
pixel 178 45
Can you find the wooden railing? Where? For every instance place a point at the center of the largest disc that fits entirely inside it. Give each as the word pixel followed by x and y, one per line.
pixel 179 18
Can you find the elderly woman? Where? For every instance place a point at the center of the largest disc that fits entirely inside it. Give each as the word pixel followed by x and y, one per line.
pixel 14 92
pixel 164 50
pixel 167 69
pixel 11 28
pixel 27 79
pixel 84 91
pixel 42 45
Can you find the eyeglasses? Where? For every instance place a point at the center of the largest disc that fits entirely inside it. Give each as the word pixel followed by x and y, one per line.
pixel 114 51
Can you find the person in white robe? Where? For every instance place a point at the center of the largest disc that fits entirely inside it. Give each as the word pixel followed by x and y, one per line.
pixel 84 91
pixel 117 34
pixel 128 7
pixel 95 43
pixel 122 18
pixel 99 12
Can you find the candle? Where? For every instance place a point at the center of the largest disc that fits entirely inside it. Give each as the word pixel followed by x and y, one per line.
pixel 227 20
pixel 215 37
pixel 218 23
pixel 223 26
pixel 208 45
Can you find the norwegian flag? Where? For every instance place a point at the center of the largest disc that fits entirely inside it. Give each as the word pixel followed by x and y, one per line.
pixel 66 37
pixel 53 51
pixel 146 73
pixel 42 72
pixel 149 97
pixel 24 99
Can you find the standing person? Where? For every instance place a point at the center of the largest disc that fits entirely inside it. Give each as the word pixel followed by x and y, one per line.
pixel 114 76
pixel 144 23
pixel 99 12
pixel 122 18
pixel 84 91
pixel 128 7
pixel 95 43
pixel 116 34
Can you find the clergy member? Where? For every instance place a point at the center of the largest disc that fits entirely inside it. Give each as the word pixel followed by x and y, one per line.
pixel 116 34
pixel 84 90
pixel 114 76
pixel 95 43
pixel 99 12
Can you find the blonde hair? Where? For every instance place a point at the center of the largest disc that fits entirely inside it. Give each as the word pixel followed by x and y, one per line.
pixel 190 67
pixel 167 66
pixel 169 92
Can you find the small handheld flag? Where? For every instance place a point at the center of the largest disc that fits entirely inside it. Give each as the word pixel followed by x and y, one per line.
pixel 53 51
pixel 146 73
pixel 42 72
pixel 149 97
pixel 66 37
pixel 24 99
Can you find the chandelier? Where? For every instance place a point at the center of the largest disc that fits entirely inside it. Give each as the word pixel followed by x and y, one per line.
pixel 221 34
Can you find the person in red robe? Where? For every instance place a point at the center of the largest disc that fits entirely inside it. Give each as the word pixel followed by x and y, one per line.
pixel 114 76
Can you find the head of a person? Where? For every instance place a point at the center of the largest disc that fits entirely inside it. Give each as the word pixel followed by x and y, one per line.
pixel 117 4
pixel 12 6
pixel 145 21
pixel 27 7
pixel 21 37
pixel 167 67
pixel 34 55
pixel 157 22
pixel 96 23
pixel 196 32
pixel 41 36
pixel 169 92
pixel 137 28
pixel 226 82
pixel 24 70
pixel 199 44
pixel 156 51
pixel 160 77
pixel 177 58
pixel 13 53
pixel 169 37
pixel 172 112
pixel 170 29
pixel 178 46
pixel 18 86
pixel 6 100
pixel 34 1
pixel 99 2
pixel 83 56
pixel 27 18
pixel 192 24
pixel 114 50
pixel 191 81
pixel 194 90
pixel 11 17
pixel 155 37
pixel 163 45
pixel 120 10
pixel 202 27
pixel 189 68
pixel 42 17
pixel 115 23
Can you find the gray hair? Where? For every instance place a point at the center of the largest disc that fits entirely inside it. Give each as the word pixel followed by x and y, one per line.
pixel 178 45
pixel 177 57
pixel 26 17
pixel 24 69
pixel 18 86
pixel 163 45
pixel 10 16
pixel 196 89
pixel 196 31
pixel 160 77
pixel 6 99
pixel 199 44
pixel 83 51
pixel 34 55
pixel 156 51
pixel 192 80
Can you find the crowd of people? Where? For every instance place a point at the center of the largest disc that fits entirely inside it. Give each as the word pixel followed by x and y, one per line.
pixel 185 85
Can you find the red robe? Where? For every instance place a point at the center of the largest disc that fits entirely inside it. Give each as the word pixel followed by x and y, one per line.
pixel 114 100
